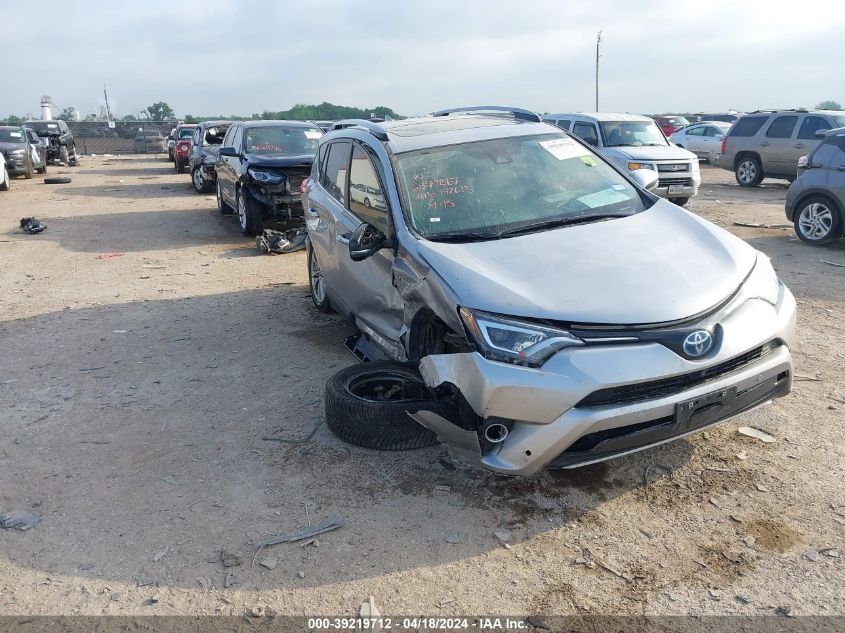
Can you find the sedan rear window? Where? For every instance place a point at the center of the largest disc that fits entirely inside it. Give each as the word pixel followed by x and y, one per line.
pixel 280 139
pixel 748 126
pixel 11 136
pixel 494 186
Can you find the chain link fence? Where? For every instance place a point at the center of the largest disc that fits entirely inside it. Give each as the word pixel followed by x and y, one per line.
pixel 121 137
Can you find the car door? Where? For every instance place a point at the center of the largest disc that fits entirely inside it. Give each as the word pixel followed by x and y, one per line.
pixel 368 284
pixel 806 140
pixel 836 168
pixel 326 207
pixel 229 166
pixel 693 138
pixel 776 147
pixel 37 148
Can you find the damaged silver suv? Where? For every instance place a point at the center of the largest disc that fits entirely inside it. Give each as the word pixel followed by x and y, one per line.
pixel 559 313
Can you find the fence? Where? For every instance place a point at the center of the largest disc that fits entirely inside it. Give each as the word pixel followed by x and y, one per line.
pixel 121 137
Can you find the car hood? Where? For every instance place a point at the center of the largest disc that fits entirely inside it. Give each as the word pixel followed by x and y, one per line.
pixel 663 264
pixel 280 160
pixel 634 152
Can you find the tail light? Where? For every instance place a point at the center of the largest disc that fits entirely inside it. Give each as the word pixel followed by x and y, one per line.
pixel 724 144
pixel 802 162
pixel 304 185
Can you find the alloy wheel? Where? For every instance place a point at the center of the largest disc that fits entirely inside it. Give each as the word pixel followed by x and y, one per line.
pixel 747 171
pixel 815 221
pixel 318 284
pixel 242 211
pixel 199 181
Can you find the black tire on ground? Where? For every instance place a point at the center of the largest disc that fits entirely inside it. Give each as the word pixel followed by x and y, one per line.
pixel 224 208
pixel 29 170
pixel 63 154
pixel 818 221
pixel 4 186
pixel 679 201
pixel 368 404
pixel 748 171
pixel 249 215
pixel 180 166
pixel 57 180
pixel 317 283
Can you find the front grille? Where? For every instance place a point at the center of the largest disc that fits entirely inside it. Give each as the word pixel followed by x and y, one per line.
pixel 639 392
pixel 670 180
pixel 673 167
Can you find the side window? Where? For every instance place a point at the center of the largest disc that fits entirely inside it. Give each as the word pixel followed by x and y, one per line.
pixel 236 137
pixel 197 136
pixel 587 132
pixel 366 198
pixel 319 165
pixel 711 131
pixel 748 126
pixel 696 131
pixel 564 123
pixel 811 125
pixel 782 127
pixel 227 139
pixel 337 166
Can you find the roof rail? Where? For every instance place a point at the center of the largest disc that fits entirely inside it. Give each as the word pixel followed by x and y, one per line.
pixel 362 124
pixel 772 110
pixel 517 113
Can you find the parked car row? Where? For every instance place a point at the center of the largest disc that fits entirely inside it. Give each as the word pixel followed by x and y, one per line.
pixel 24 154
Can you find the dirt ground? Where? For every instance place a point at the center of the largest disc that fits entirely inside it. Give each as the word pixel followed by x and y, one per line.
pixel 146 349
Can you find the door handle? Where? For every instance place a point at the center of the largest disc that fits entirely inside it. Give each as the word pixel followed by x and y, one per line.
pixel 840 168
pixel 799 146
pixel 313 213
pixel 343 239
pixel 764 144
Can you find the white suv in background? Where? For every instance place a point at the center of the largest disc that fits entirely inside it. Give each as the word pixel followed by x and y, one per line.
pixel 635 142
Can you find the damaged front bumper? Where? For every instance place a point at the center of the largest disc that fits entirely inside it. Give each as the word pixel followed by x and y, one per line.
pixel 592 403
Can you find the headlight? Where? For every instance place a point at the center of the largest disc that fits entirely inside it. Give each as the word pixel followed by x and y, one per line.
pixel 265 177
pixel 636 166
pixel 18 152
pixel 762 283
pixel 517 342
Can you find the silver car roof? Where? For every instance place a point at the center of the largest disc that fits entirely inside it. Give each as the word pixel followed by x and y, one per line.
pixel 602 116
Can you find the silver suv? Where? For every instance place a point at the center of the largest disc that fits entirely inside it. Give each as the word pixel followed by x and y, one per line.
pixel 570 314
pixel 633 142
pixel 768 143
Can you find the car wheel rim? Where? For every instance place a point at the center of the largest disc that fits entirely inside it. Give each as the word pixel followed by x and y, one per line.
pixel 219 197
pixel 387 386
pixel 747 171
pixel 197 179
pixel 242 212
pixel 815 221
pixel 318 284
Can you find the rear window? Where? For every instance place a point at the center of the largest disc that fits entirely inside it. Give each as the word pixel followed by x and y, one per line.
pixel 280 139
pixel 11 136
pixel 782 127
pixel 748 126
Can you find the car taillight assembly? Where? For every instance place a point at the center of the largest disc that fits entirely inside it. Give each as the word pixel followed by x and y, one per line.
pixel 802 162
pixel 303 185
pixel 724 144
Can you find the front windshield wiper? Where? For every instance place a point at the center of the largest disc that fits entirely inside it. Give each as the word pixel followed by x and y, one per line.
pixel 463 237
pixel 550 224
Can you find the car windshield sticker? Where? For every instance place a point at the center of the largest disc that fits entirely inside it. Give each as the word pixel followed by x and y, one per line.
pixel 619 187
pixel 52 125
pixel 312 135
pixel 15 134
pixel 603 198
pixel 563 148
pixel 589 161
pixel 434 219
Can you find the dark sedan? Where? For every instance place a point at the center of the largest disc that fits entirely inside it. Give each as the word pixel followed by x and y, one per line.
pixel 16 148
pixel 260 168
pixel 203 155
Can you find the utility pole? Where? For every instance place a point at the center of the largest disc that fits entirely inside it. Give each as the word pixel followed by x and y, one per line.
pixel 108 109
pixel 598 45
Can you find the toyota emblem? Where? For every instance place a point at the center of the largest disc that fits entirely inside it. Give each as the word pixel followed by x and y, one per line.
pixel 698 343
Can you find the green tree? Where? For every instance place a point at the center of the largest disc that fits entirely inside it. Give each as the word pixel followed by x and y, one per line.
pixel 829 105
pixel 129 117
pixel 191 119
pixel 14 120
pixel 67 114
pixel 160 111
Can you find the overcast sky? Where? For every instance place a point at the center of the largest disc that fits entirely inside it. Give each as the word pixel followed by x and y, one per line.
pixel 213 57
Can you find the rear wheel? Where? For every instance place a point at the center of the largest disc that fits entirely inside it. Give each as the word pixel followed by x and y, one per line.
pixel 748 172
pixel 818 221
pixel 201 185
pixel 368 405
pixel 180 166
pixel 249 215
pixel 317 284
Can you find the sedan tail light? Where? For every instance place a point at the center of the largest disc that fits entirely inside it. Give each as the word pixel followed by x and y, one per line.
pixel 724 144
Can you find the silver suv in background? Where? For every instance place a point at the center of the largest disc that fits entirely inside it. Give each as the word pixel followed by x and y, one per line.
pixel 635 142
pixel 768 143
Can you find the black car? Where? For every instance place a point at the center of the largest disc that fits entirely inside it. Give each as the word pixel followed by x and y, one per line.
pixel 260 168
pixel 17 150
pixel 62 148
pixel 208 137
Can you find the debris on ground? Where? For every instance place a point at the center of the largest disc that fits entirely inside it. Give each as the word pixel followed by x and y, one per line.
pixel 229 559
pixel 229 580
pixel 204 582
pixel 758 225
pixel 830 263
pixel 505 536
pixel 750 431
pixel 109 255
pixel 160 554
pixel 255 612
pixel 272 242
pixel 331 523
pixel 369 610
pixel 453 537
pixel 32 225
pixel 269 562
pixel 18 520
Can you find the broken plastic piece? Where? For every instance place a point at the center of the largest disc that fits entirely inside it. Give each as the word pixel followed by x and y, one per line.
pixel 18 520
pixel 331 523
pixel 279 242
pixel 32 225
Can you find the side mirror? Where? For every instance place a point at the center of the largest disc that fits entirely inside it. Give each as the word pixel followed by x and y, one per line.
pixel 821 133
pixel 366 241
pixel 645 178
pixel 229 151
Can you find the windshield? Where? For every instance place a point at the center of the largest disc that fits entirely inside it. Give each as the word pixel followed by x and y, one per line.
pixel 11 135
pixel 186 132
pixel 214 135
pixel 281 139
pixel 43 127
pixel 839 119
pixel 499 185
pixel 621 133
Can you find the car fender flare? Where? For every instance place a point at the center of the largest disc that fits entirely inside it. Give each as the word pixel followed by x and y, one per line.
pixel 744 153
